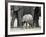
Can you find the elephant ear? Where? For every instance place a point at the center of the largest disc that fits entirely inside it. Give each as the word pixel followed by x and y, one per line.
pixel 16 8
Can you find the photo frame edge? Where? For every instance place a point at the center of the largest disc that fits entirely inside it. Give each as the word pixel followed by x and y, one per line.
pixel 6 20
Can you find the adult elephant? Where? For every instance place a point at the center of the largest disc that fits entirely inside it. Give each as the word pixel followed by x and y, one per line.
pixel 28 20
pixel 15 13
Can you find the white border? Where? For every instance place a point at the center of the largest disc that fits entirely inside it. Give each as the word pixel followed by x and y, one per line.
pixel 23 4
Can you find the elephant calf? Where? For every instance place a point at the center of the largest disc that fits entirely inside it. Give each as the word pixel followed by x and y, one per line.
pixel 28 19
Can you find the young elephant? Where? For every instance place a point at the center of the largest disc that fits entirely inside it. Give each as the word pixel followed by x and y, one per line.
pixel 28 19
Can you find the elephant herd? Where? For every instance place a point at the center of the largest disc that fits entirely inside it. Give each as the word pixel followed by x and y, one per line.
pixel 25 14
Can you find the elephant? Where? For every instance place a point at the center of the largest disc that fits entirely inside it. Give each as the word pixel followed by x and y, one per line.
pixel 28 19
pixel 20 11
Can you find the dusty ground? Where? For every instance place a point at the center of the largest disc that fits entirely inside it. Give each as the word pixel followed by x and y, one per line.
pixel 24 30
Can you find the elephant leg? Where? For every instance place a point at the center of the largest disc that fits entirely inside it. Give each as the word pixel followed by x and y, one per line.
pixel 36 17
pixel 37 24
pixel 12 21
pixel 22 24
pixel 26 25
pixel 31 25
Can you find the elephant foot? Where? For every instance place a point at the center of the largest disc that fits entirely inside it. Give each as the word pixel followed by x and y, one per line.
pixel 12 26
pixel 37 26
